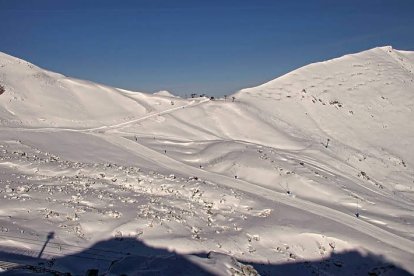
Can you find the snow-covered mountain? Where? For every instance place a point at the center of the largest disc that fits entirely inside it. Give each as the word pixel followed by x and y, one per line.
pixel 295 174
pixel 37 97
pixel 363 100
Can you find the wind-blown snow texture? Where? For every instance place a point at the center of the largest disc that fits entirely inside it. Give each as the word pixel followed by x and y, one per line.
pixel 299 170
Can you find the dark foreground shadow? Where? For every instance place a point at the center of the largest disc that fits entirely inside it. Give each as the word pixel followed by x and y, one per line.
pixel 343 263
pixel 129 256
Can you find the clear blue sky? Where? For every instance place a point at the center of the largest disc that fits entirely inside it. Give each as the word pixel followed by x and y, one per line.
pixel 213 47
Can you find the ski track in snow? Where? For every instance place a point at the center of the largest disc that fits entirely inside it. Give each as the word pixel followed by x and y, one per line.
pixel 262 192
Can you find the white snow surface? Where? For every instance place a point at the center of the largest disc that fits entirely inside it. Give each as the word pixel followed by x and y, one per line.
pixel 165 93
pixel 274 177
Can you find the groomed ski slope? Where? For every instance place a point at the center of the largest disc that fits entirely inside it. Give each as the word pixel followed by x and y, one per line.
pixel 275 177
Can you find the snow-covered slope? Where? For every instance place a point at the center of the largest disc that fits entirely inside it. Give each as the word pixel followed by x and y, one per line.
pixel 309 173
pixel 37 97
pixel 365 100
pixel 362 103
pixel 165 93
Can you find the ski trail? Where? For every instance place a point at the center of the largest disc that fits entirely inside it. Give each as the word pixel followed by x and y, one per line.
pixel 102 128
pixel 192 104
pixel 266 193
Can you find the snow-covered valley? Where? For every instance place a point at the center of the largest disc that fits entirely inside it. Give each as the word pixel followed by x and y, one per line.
pixel 310 173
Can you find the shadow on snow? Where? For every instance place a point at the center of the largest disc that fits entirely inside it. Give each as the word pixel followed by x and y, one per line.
pixel 129 256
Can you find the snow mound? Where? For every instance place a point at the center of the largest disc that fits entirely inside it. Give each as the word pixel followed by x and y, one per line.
pixel 165 93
